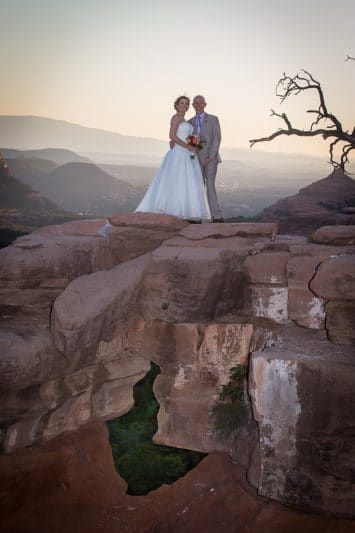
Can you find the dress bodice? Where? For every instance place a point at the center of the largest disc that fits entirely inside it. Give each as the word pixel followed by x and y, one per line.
pixel 184 130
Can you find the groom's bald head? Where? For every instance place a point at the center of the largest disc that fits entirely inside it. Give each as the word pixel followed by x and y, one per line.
pixel 199 104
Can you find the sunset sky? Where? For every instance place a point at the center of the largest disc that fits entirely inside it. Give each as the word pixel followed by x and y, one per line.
pixel 118 65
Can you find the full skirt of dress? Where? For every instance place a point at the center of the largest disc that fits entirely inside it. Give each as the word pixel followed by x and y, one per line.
pixel 178 188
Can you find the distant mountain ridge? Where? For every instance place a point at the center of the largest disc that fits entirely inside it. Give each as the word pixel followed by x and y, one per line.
pixel 84 187
pixel 58 155
pixel 31 132
pixel 14 194
pixel 28 170
pixel 78 185
pixel 25 132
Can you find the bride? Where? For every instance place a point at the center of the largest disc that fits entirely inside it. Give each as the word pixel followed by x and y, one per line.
pixel 178 188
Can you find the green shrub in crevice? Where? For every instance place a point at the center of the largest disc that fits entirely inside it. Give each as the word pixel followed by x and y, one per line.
pixel 229 411
pixel 144 465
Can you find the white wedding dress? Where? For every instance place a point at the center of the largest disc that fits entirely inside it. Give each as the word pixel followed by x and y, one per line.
pixel 178 187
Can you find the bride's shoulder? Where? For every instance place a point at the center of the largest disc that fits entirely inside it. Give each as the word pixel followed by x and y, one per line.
pixel 175 119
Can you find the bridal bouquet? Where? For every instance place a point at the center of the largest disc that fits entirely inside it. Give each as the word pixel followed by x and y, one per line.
pixel 197 141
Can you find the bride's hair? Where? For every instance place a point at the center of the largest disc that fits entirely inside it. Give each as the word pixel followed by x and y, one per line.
pixel 179 98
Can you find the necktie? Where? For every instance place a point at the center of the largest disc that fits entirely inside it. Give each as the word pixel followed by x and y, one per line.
pixel 199 123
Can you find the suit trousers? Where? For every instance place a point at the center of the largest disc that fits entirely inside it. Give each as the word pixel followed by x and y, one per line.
pixel 209 173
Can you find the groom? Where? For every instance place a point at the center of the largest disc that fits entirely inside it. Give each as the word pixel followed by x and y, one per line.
pixel 208 127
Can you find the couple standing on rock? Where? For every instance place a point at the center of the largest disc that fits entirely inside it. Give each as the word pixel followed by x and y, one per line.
pixel 185 183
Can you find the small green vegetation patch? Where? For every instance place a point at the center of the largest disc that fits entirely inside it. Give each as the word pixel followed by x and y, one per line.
pixel 230 410
pixel 145 465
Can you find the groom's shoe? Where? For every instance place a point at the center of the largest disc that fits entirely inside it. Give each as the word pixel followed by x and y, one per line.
pixel 218 220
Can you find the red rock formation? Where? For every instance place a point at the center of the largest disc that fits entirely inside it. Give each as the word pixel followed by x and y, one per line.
pixel 298 419
pixel 81 316
pixel 338 235
pixel 313 206
pixel 334 282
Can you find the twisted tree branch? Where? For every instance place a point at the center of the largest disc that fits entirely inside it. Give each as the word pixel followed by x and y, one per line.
pixel 304 81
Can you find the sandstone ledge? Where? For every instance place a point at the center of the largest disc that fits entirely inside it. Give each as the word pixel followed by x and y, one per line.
pixel 152 221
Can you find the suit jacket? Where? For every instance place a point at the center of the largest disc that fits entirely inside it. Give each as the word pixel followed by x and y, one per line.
pixel 211 130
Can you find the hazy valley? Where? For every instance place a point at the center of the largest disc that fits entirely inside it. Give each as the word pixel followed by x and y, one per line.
pixel 85 172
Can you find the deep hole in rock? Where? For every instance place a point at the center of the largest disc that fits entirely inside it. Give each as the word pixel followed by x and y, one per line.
pixel 144 465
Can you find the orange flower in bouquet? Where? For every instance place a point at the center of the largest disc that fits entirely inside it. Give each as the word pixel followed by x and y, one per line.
pixel 197 141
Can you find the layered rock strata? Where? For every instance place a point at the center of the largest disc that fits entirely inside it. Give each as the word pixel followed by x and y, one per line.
pixel 82 316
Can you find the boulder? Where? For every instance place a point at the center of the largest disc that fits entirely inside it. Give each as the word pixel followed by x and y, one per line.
pixel 335 278
pixel 92 307
pixel 335 235
pixel 303 403
pixel 55 253
pixel 307 262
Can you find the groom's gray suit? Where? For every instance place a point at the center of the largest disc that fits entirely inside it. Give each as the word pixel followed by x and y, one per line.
pixel 211 130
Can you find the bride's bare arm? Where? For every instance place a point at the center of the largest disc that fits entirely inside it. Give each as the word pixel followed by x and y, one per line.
pixel 174 124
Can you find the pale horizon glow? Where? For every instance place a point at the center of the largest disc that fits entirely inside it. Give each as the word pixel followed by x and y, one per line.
pixel 118 65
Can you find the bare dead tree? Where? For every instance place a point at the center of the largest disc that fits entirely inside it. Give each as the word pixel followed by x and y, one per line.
pixel 332 128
